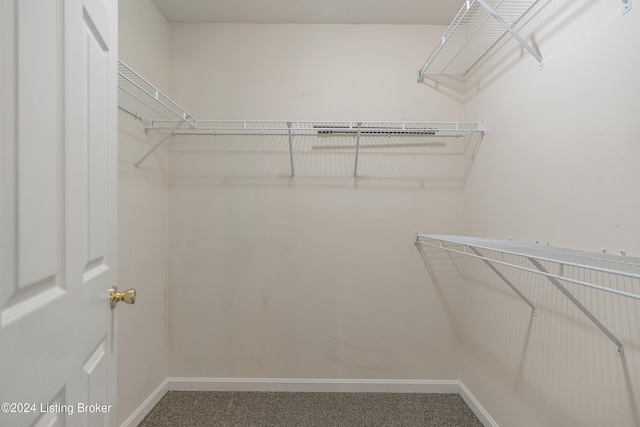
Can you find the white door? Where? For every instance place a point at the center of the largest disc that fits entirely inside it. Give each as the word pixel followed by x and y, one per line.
pixel 57 211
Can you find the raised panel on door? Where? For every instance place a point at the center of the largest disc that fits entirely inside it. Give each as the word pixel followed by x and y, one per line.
pixel 53 412
pixel 97 149
pixel 37 176
pixel 95 371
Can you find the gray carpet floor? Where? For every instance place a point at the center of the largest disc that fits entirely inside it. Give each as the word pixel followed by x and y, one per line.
pixel 191 408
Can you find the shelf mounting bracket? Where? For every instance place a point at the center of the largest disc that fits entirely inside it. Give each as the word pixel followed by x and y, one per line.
pixel 504 279
pixel 293 172
pixel 626 7
pixel 355 169
pixel 582 308
pixel 514 33
pixel 156 146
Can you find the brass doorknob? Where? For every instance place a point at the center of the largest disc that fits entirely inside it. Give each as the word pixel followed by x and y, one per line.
pixel 128 296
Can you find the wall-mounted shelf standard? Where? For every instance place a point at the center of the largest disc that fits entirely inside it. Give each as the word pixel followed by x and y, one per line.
pixel 548 261
pixel 143 101
pixel 476 29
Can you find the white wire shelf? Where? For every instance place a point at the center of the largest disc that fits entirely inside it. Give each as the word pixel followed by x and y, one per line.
pixel 453 143
pixel 555 263
pixel 476 29
pixel 142 100
pixel 478 26
pixel 386 150
pixel 327 128
pixel 601 262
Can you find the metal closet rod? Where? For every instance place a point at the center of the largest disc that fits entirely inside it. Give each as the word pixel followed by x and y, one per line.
pixel 531 253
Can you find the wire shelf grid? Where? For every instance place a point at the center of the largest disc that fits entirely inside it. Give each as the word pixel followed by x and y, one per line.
pixel 556 264
pixel 472 34
pixel 142 100
pixel 326 128
pixel 600 262
pixel 400 148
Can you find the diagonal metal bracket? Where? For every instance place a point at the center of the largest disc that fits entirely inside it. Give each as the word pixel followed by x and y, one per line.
pixel 582 308
pixel 505 280
pixel 626 7
pixel 513 33
pixel 156 146
pixel 416 240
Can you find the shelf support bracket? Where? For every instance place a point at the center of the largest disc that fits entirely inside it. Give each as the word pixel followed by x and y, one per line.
pixel 505 280
pixel 156 146
pixel 582 308
pixel 626 7
pixel 355 169
pixel 293 172
pixel 513 33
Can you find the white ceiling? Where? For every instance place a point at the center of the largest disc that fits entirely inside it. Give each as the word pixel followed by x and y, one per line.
pixel 310 11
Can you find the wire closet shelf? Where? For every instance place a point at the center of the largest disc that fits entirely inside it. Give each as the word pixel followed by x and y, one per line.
pixel 551 262
pixel 144 102
pixel 324 128
pixel 476 30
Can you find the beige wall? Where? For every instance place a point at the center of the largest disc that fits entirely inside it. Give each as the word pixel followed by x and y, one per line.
pixel 296 281
pixel 142 217
pixel 559 164
pixel 317 278
pixel 305 72
pixel 145 41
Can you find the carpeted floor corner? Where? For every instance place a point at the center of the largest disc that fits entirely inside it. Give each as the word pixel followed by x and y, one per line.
pixel 190 408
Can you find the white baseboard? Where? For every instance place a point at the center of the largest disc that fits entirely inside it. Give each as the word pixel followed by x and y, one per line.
pixel 475 406
pixel 310 385
pixel 313 385
pixel 146 407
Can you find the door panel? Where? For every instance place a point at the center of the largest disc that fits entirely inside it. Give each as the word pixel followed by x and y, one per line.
pixel 96 371
pixel 97 147
pixel 40 100
pixel 58 125
pixel 54 418
pixel 37 166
